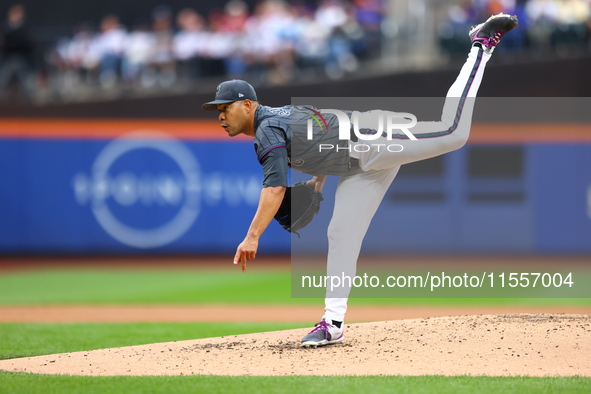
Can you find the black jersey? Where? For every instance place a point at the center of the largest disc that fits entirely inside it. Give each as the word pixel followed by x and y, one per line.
pixel 286 129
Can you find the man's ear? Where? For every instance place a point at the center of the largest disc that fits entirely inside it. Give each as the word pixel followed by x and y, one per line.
pixel 251 105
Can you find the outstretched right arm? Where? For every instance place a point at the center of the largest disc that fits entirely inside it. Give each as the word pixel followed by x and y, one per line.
pixel 275 183
pixel 269 203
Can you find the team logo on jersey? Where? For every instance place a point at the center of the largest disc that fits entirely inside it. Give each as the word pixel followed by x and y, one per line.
pixel 280 111
pixel 320 121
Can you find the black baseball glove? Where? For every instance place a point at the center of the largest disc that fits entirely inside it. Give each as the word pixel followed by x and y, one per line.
pixel 298 207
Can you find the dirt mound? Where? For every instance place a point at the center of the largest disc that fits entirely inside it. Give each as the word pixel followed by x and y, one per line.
pixel 494 345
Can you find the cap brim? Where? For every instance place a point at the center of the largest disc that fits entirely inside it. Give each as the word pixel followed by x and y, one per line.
pixel 213 105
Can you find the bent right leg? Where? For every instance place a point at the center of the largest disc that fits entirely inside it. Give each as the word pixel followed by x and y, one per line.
pixel 357 199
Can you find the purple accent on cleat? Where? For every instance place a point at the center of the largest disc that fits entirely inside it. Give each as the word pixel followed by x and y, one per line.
pixel 324 333
pixel 489 42
pixel 322 326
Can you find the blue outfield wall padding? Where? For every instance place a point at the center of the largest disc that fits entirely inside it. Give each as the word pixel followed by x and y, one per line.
pixel 170 196
pixel 562 192
pixel 545 209
pixel 93 196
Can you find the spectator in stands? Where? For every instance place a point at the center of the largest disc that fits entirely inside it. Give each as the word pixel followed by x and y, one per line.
pixel 310 43
pixel 340 58
pixel 232 25
pixel 234 17
pixel 189 44
pixel 542 16
pixel 162 70
pixel 282 60
pixel 452 32
pixel 108 47
pixel 137 53
pixel 218 46
pixel 332 15
pixel 572 19
pixel 269 52
pixel 16 53
pixel 71 64
pixel 78 52
pixel 370 14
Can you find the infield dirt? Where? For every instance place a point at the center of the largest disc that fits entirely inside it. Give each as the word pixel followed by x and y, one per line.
pixel 493 345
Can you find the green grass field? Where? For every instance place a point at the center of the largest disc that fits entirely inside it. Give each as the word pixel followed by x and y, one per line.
pixel 189 286
pixel 27 340
pixel 19 383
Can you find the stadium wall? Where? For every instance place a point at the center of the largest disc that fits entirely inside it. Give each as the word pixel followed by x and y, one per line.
pixel 175 187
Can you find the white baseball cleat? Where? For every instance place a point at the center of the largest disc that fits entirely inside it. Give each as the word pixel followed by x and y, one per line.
pixel 324 333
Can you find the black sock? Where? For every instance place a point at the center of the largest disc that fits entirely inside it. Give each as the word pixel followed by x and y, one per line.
pixel 337 323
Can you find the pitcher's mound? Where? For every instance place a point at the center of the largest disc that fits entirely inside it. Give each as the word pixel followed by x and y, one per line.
pixel 494 345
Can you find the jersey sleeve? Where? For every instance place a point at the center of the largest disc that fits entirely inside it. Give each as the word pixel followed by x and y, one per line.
pixel 269 136
pixel 275 167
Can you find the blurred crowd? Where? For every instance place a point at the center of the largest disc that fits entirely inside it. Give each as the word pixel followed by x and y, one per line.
pixel 274 43
pixel 558 26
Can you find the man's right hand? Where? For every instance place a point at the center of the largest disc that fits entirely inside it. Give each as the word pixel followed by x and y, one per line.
pixel 247 250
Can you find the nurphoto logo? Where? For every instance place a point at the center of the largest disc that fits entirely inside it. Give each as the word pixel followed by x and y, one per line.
pixel 367 126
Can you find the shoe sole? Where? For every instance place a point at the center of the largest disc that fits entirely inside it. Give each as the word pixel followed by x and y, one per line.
pixel 324 342
pixel 475 29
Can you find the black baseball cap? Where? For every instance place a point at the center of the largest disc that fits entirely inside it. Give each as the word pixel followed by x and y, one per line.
pixel 230 91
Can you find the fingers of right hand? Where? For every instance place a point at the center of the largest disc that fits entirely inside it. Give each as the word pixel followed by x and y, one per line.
pixel 238 257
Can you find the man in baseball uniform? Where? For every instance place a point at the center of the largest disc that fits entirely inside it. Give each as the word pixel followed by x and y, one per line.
pixel 310 141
